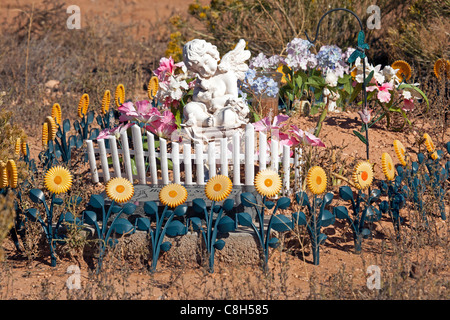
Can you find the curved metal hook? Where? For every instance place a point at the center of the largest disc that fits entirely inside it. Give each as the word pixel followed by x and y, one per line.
pixel 328 12
pixel 363 62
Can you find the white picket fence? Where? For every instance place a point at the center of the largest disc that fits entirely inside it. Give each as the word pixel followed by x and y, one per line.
pixel 217 159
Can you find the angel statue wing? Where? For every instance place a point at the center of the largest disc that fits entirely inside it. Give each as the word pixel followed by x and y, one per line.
pixel 235 59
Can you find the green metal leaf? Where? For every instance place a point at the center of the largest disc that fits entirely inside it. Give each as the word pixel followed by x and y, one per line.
pixel 90 217
pixel 180 210
pixel 36 195
pixel 31 214
pixel 151 208
pixel 302 198
pixel 274 242
pixel 196 223
pixel 280 223
pixel 244 219
pixel 122 226
pixel 142 224
pixel 248 199
pixel 175 228
pixel 129 208
pixel 228 204
pixel 199 205
pixel 327 218
pixel 360 137
pixel 165 246
pixel 97 201
pixel 299 218
pixel 283 203
pixel 226 224
pixel 346 193
pixel 219 244
pixel 340 212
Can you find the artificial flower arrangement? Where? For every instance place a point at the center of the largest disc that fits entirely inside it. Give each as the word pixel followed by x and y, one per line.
pixel 328 81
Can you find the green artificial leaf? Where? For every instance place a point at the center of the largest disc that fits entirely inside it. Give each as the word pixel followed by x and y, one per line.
pixel 360 136
pixel 150 208
pixel 219 244
pixel 299 218
pixel 226 224
pixel 175 228
pixel 409 86
pixel 165 246
pixel 280 223
pixel 122 226
pixel 273 242
pixel 244 219
pixel 340 212
pixel 97 201
pixel 369 78
pixel 248 199
pixel 133 167
pixel 142 224
pixel 36 195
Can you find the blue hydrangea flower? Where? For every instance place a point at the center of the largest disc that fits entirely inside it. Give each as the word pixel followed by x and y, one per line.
pixel 328 57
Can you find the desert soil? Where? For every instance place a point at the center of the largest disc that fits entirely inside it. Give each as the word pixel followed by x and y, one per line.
pixel 34 279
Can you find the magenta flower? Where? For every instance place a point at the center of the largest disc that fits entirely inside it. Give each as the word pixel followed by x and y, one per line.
pixel 383 91
pixel 114 131
pixel 265 125
pixel 164 126
pixel 305 137
pixel 166 68
pixel 143 112
pixel 408 104
pixel 365 115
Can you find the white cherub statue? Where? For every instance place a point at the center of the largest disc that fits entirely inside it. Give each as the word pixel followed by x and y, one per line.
pixel 215 101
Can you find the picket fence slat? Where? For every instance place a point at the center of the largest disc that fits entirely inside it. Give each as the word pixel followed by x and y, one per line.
pixel 126 155
pixel 218 158
pixel 115 156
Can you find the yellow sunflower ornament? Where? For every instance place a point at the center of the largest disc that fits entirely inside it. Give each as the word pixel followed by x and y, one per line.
pixel 400 152
pixel 18 146
pixel 3 175
pixel 404 70
pixel 58 180
pixel 119 95
pixel 56 113
pixel 173 195
pixel 430 146
pixel 363 175
pixel 153 86
pixel 119 189
pixel 441 66
pixel 106 101
pixel 11 171
pixel 45 134
pixel 387 166
pixel 83 105
pixel 51 128
pixel 218 188
pixel 316 180
pixel 267 183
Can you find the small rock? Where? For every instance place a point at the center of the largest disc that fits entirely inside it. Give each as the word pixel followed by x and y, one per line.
pixel 52 84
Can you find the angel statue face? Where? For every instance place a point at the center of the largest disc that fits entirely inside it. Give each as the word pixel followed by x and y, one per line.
pixel 201 57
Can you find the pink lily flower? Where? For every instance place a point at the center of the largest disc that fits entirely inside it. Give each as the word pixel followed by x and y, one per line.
pixel 408 104
pixel 306 137
pixel 117 131
pixel 143 112
pixel 166 68
pixel 365 115
pixel 265 125
pixel 383 91
pixel 164 126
